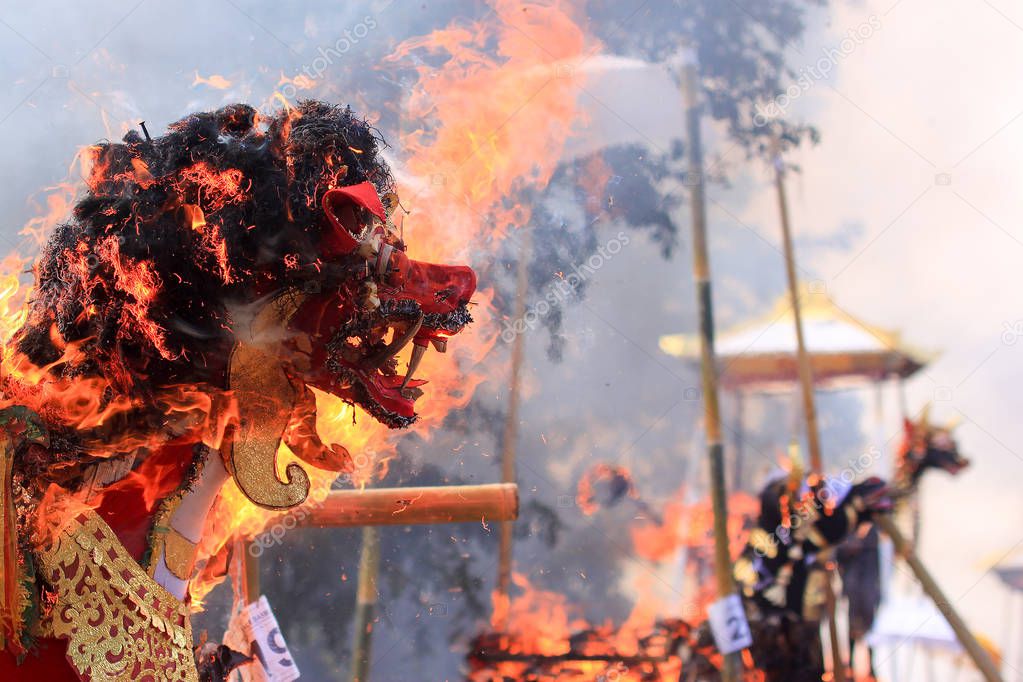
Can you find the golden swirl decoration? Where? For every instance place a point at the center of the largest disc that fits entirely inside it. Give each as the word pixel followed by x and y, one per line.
pixel 266 399
pixel 120 624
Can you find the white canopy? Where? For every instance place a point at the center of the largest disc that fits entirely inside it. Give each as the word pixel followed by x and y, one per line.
pixel 843 348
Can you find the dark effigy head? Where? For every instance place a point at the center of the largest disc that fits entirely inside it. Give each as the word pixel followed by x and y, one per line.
pixel 179 236
pixel 237 255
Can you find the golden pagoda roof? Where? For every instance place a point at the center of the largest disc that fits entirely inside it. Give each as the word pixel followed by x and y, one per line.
pixel 843 349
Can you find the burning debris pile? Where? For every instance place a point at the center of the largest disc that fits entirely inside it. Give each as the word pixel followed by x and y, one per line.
pixel 542 641
pixel 536 635
pixel 591 655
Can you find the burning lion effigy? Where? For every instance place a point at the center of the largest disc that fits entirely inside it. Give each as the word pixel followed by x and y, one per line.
pixel 206 283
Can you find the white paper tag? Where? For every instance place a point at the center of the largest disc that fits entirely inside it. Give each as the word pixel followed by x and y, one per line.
pixel 728 624
pixel 262 639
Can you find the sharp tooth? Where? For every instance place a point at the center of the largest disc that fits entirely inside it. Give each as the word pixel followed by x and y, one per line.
pixel 397 344
pixel 417 355
pixel 440 345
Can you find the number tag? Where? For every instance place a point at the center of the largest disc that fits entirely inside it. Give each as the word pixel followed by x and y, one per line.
pixel 261 637
pixel 728 624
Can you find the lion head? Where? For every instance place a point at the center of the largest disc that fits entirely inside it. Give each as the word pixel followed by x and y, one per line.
pixel 244 255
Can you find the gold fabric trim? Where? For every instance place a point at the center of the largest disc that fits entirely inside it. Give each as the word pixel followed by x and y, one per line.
pixel 162 521
pixel 814 595
pixel 120 624
pixel 179 554
pixel 18 426
pixel 763 542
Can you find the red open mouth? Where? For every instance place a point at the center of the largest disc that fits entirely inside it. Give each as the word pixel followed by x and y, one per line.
pixel 372 380
pixel 357 332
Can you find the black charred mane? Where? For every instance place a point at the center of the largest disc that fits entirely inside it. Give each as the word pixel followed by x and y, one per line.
pixel 262 233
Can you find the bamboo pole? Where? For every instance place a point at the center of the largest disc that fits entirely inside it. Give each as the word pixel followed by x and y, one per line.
pixel 732 664
pixel 904 549
pixel 805 368
pixel 409 506
pixel 509 438
pixel 740 439
pixel 365 604
pixel 809 403
pixel 250 573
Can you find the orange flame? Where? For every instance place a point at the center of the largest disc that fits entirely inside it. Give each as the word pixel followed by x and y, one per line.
pixel 214 80
pixel 552 635
pixel 482 129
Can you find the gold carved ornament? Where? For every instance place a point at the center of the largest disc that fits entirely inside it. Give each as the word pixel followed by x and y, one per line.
pixel 119 623
pixel 266 399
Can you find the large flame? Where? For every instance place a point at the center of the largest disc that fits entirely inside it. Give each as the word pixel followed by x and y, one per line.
pixel 480 130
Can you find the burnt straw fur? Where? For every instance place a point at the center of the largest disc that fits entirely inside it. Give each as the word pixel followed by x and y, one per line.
pixel 258 183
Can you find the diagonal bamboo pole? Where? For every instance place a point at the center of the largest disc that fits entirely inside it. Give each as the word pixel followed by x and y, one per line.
pixel 904 549
pixel 732 665
pixel 805 368
pixel 809 404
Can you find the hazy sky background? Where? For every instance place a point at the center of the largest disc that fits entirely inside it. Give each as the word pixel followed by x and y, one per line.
pixel 908 210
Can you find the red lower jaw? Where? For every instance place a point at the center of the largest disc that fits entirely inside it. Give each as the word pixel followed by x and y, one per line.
pixel 385 390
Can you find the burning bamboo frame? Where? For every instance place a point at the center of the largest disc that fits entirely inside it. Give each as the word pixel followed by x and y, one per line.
pixel 509 438
pixel 416 505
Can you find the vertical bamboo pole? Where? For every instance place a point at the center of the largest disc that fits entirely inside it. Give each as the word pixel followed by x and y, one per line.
pixel 740 437
pixel 732 666
pixel 365 604
pixel 809 404
pixel 250 569
pixel 509 439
